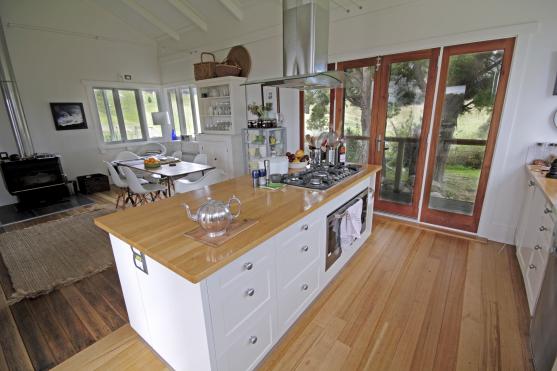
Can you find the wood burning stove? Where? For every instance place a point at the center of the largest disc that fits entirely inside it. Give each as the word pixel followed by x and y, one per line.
pixel 35 179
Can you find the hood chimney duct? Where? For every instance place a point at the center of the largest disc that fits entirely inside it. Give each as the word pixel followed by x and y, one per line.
pixel 12 101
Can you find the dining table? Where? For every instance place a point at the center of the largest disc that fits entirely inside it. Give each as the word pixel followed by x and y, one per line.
pixel 169 171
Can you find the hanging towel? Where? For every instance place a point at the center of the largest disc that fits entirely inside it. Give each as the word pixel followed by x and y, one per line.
pixel 351 224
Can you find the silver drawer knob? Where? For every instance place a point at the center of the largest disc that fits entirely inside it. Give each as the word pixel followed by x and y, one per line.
pixel 547 210
pixel 253 339
pixel 305 287
pixel 305 227
pixel 542 228
pixel 250 292
pixel 532 266
pixel 305 248
pixel 248 266
pixel 537 247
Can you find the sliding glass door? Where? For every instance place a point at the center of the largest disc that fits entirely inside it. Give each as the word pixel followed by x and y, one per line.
pixel 355 107
pixel 407 84
pixel 471 91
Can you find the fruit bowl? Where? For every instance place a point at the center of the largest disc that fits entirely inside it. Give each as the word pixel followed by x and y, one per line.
pixel 297 165
pixel 151 163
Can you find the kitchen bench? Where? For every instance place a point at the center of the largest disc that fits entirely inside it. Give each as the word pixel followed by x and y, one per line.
pixel 224 308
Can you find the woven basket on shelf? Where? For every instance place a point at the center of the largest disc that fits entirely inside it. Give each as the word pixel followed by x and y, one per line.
pixel 225 69
pixel 205 70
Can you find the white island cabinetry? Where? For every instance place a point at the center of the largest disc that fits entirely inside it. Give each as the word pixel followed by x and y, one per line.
pixel 232 319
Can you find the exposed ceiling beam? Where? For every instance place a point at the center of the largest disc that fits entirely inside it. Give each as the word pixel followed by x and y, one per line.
pixel 233 8
pixel 187 9
pixel 151 18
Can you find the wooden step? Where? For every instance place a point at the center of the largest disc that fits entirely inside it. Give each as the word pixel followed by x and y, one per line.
pixel 122 349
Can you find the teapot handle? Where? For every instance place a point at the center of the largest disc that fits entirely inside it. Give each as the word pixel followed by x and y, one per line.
pixel 236 200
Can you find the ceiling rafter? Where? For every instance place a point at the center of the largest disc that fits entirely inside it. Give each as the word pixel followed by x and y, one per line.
pixel 233 8
pixel 184 7
pixel 151 18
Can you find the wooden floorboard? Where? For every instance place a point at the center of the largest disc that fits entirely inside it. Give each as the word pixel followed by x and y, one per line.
pixel 411 299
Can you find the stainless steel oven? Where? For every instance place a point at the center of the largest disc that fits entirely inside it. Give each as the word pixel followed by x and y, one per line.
pixel 334 249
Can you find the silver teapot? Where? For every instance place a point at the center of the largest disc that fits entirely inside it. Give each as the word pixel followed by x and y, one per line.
pixel 214 216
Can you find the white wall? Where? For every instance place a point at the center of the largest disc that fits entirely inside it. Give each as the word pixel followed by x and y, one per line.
pixel 50 66
pixel 415 24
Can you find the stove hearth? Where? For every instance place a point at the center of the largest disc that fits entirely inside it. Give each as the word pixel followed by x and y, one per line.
pixel 321 177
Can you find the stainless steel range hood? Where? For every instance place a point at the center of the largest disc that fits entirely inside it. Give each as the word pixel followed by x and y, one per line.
pixel 305 40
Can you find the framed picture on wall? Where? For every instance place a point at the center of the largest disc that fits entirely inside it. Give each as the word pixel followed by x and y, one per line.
pixel 68 116
pixel 270 95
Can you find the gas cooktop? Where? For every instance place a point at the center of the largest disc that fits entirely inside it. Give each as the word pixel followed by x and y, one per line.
pixel 321 177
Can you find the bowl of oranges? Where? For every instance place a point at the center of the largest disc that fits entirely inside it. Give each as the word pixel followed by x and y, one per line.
pixel 151 163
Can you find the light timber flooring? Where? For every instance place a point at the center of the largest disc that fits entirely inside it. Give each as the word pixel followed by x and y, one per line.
pixel 411 299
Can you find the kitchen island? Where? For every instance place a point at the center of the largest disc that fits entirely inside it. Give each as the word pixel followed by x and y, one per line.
pixel 201 307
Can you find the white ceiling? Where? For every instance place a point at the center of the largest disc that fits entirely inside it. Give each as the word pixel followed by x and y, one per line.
pixel 183 26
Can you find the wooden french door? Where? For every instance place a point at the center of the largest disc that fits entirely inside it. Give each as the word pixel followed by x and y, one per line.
pixel 405 90
pixel 472 83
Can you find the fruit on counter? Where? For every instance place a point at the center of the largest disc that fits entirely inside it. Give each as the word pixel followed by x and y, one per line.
pixel 298 156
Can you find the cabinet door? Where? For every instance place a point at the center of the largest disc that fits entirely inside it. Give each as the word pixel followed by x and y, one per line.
pixel 176 317
pixel 217 155
pixel 524 213
pixel 123 257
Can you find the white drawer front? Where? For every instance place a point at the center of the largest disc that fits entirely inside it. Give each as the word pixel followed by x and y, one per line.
pixel 295 297
pixel 534 277
pixel 296 253
pixel 247 268
pixel 250 346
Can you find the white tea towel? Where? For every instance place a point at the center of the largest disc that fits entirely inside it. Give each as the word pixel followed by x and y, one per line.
pixel 351 224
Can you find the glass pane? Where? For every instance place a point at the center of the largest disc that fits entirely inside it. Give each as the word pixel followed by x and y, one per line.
pixel 358 90
pixel 403 127
pixel 175 117
pixel 151 104
pixel 357 150
pixel 103 116
pixel 316 115
pixel 188 111
pixel 467 108
pixel 109 124
pixel 131 114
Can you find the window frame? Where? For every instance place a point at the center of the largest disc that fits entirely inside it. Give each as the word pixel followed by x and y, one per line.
pixel 178 91
pixel 120 125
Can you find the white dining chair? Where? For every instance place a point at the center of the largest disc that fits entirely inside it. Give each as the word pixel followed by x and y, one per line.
pixel 177 154
pixel 121 183
pixel 152 148
pixel 211 177
pixel 200 158
pixel 140 191
pixel 126 155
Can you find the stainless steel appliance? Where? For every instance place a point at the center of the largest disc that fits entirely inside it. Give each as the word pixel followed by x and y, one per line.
pixel 321 177
pixel 334 249
pixel 543 327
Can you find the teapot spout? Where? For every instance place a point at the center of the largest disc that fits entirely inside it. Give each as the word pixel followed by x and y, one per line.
pixel 189 213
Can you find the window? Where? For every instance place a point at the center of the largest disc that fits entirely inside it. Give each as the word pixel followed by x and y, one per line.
pixel 316 115
pixel 125 114
pixel 182 102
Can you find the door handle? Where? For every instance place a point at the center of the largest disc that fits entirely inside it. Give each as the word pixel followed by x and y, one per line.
pixel 378 142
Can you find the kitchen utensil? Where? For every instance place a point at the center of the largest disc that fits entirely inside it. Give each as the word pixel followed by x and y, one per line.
pixel 315 156
pixel 332 156
pixel 214 216
pixel 238 55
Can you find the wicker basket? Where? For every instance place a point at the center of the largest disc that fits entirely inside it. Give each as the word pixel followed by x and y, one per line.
pixel 205 70
pixel 225 69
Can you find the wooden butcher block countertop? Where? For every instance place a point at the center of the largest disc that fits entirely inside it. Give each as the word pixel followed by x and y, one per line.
pixel 158 229
pixel 547 185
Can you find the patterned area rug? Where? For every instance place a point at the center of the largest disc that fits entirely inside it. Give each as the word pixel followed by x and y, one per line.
pixel 46 256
